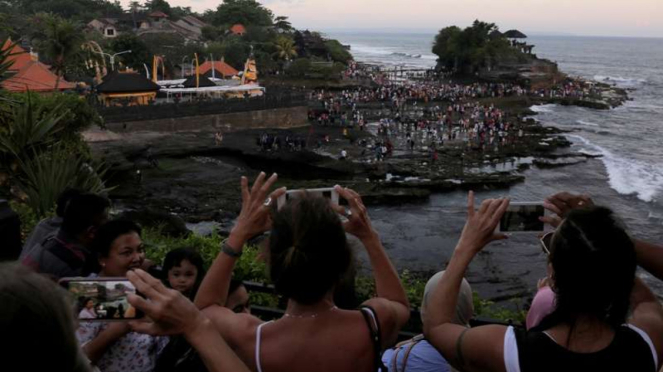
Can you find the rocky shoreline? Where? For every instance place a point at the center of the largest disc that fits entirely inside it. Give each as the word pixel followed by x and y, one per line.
pixel 187 176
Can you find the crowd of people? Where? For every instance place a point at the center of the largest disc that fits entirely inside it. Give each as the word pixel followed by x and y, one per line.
pixel 591 312
pixel 270 142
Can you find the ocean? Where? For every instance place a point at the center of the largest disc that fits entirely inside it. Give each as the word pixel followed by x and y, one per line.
pixel 628 177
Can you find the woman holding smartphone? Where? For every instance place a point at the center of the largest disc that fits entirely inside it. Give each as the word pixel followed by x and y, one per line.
pixel 308 256
pixel 604 319
pixel 112 346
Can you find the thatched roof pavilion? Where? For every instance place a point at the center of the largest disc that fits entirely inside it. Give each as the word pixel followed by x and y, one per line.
pixel 515 34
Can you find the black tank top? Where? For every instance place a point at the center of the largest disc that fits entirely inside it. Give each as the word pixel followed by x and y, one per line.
pixel 627 352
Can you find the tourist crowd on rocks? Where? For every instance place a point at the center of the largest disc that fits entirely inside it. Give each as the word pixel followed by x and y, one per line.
pixel 420 117
pixel 591 311
pixel 270 142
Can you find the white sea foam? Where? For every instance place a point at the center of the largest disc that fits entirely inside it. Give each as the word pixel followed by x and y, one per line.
pixel 367 49
pixel 625 81
pixel 543 108
pixel 587 123
pixel 628 176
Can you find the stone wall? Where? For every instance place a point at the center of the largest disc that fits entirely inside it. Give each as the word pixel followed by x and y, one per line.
pixel 274 118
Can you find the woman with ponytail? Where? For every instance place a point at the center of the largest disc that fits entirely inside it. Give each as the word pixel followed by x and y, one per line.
pixel 308 257
pixel 604 317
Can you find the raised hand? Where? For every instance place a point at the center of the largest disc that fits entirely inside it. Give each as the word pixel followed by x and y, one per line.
pixel 255 217
pixel 170 313
pixel 561 204
pixel 358 223
pixel 480 227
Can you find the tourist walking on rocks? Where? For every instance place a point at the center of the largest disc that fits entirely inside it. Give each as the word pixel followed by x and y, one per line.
pixel 308 254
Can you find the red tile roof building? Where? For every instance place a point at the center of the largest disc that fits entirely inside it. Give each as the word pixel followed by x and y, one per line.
pixel 238 29
pixel 31 75
pixel 223 70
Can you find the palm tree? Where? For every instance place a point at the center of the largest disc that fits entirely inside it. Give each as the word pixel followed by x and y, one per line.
pixel 285 48
pixel 60 40
pixel 282 23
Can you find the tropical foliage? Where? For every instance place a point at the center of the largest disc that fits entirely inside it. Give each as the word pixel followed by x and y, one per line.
pixel 59 40
pixel 56 29
pixel 252 267
pixel 471 49
pixel 285 48
pixel 245 12
pixel 41 151
pixel 46 175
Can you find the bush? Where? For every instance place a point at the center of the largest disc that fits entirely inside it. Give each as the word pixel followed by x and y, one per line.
pixel 299 67
pixel 337 52
pixel 250 267
pixel 43 151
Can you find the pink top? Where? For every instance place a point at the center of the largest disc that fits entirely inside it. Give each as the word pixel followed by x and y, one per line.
pixel 542 305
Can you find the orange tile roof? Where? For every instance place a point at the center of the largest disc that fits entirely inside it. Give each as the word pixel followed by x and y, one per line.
pixel 219 66
pixel 36 77
pixel 20 57
pixel 238 29
pixel 158 14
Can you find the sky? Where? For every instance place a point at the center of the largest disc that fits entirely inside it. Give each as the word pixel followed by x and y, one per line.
pixel 639 18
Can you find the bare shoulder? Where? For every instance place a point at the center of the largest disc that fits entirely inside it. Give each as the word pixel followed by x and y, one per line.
pixel 234 328
pixel 391 315
pixel 470 349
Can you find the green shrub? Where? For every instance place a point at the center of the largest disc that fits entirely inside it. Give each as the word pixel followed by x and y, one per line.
pixel 337 51
pixel 250 267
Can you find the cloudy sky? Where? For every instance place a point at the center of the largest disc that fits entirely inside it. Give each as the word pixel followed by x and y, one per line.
pixel 578 17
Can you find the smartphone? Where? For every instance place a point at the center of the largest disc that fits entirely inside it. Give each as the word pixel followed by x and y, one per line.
pixel 102 299
pixel 328 193
pixel 522 217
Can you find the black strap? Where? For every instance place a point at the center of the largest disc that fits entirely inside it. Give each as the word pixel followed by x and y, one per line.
pixel 371 318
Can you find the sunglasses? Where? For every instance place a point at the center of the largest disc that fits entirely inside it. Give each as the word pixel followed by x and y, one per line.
pixel 546 241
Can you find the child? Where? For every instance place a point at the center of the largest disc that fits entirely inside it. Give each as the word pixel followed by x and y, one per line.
pixel 184 271
pixel 238 298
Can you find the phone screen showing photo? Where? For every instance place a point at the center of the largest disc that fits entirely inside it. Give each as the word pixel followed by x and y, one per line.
pixel 295 194
pixel 104 300
pixel 523 218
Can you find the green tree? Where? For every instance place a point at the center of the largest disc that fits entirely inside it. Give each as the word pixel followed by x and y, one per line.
pixel 60 41
pixel 159 6
pixel 469 50
pixel 76 10
pixel 282 23
pixel 246 12
pixel 285 48
pixel 140 52
pixel 446 46
pixel 337 51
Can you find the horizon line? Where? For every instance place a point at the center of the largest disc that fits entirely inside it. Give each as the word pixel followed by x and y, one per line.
pixel 388 30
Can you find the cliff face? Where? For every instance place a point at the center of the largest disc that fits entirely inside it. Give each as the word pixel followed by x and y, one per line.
pixel 531 72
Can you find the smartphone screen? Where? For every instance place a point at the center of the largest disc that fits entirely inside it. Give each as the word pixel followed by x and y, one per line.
pixel 328 193
pixel 102 299
pixel 523 217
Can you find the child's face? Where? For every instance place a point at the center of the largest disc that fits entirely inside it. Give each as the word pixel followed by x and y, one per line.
pixel 183 277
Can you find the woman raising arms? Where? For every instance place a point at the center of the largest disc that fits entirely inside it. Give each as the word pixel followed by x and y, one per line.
pixel 592 266
pixel 308 254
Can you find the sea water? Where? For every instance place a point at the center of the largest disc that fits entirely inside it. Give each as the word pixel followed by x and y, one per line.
pixel 628 177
